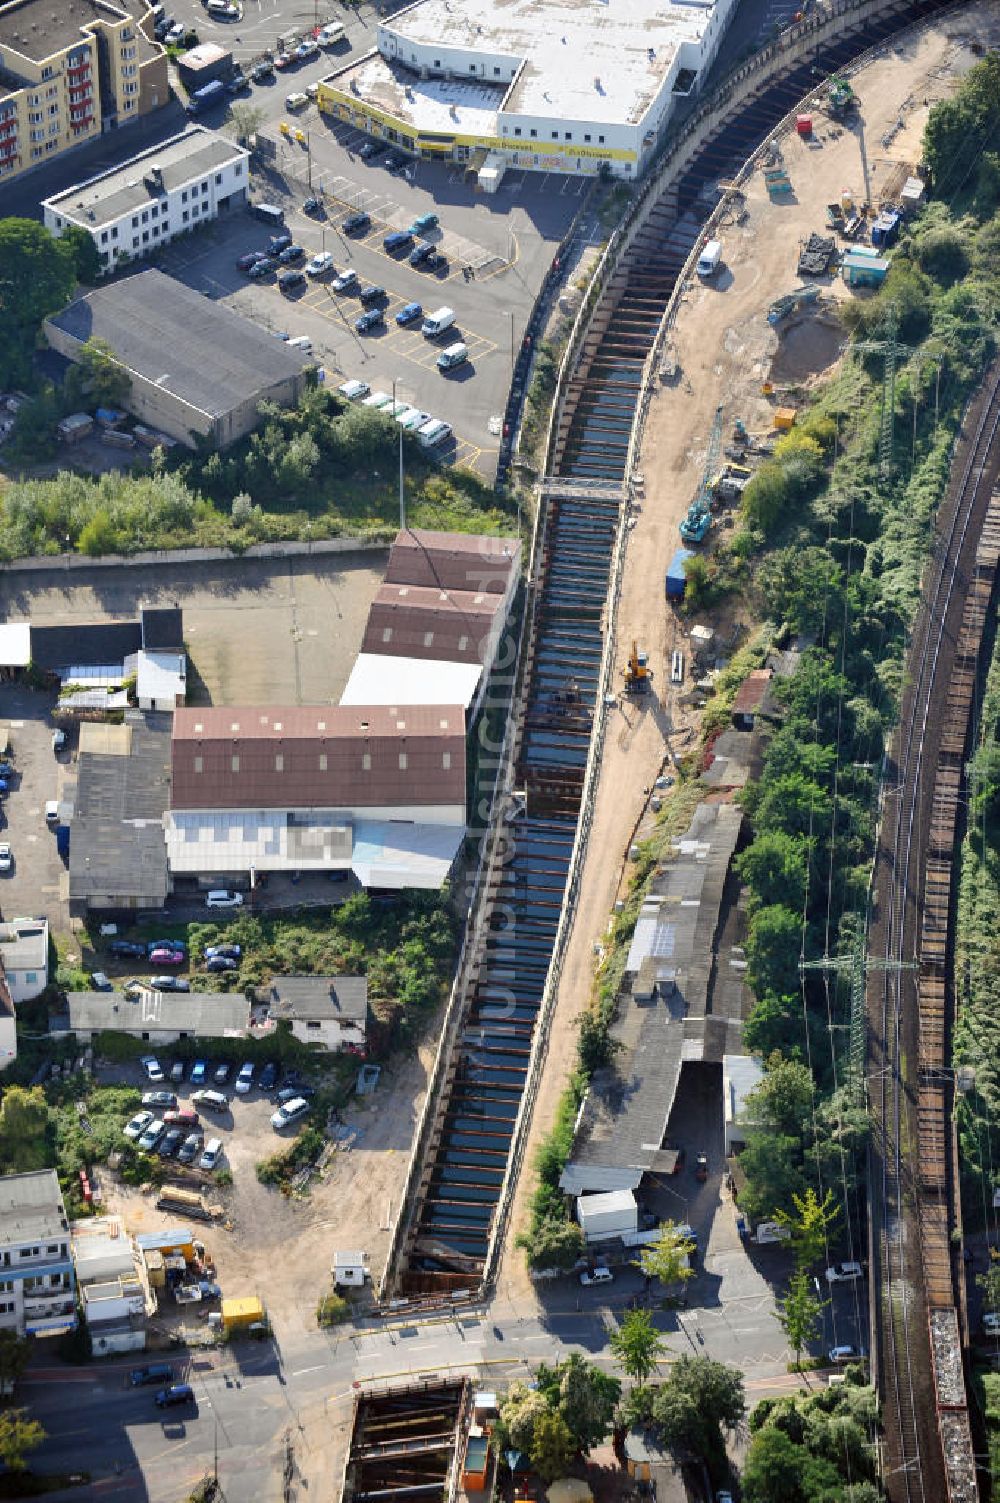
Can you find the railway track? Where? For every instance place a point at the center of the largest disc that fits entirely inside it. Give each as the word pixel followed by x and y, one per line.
pixel 913 1200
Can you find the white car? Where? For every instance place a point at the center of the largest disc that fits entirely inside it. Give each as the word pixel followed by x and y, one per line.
pixel 598 1275
pixel 991 1323
pixel 841 1354
pixel 296 101
pixel 6 857
pixel 290 1112
pixel 211 1155
pixel 58 741
pixel 320 264
pixel 52 811
pixel 346 279
pixel 223 898
pixel 844 1273
pixel 151 1065
pixel 138 1125
pixel 330 34
pixel 244 1079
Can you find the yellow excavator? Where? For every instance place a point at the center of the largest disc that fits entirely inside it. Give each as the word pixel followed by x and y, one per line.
pixel 637 672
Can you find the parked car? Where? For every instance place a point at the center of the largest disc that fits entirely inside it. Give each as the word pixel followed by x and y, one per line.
pixel 190 1148
pixel 268 1077
pixel 844 1273
pixel 261 268
pixel 51 805
pixel 163 956
pixel 372 319
pixel 216 963
pixel 368 150
pixel 170 1142
pixel 320 264
pixel 409 314
pixel 991 1323
pixel 598 1275
pixel 841 1354
pixel 701 1167
pixel 159 1098
pixel 244 1080
pixel 345 280
pixel 292 1111
pixel 396 240
pixel 134 1129
pixel 307 48
pixel 127 949
pixel 198 1072
pixel 211 1101
pixel 434 261
pixel 156 1372
pixel 166 944
pixel 314 206
pixel 263 73
pixel 291 253
pixel 177 1071
pixel 423 223
pixel 170 983
pixel 177 1393
pixel 290 1092
pixel 58 741
pixel 228 952
pixel 211 1154
pixel 181 1116
pixel 6 857
pixel 355 223
pixel 290 280
pixel 222 897
pixel 221 1073
pixel 283 61
pixel 100 982
pixel 151 1065
pixel 394 162
pixel 420 252
pixel 151 1136
pixel 372 294
pixel 296 100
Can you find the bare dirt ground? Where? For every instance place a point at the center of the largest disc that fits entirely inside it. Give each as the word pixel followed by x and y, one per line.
pixel 280 1247
pixel 726 350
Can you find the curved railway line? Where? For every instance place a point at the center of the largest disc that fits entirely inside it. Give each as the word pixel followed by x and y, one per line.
pixel 914 1192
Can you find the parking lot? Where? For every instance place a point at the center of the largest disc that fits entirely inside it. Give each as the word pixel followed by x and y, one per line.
pixel 37 884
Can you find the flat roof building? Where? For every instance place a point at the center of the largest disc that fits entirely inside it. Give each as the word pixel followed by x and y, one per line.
pixel 24 957
pixel 538 84
pixel 118 855
pixel 196 367
pixel 155 1017
pixel 34 1256
pixel 70 69
pixel 380 789
pixel 132 210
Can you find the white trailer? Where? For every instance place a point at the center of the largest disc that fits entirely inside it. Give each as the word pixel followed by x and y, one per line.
pixel 607 1216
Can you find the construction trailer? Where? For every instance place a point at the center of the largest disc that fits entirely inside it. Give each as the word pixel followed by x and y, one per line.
pixel 862 266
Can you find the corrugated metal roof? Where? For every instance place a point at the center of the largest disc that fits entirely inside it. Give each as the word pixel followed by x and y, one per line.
pixel 750 695
pixel 453 560
pixel 323 757
pixel 413 621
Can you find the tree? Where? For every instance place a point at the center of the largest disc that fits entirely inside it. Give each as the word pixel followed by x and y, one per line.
pixel 784 1098
pixel 246 120
pixel 989 1283
pixel 86 256
pixel 774 945
pixel 36 278
pixel 18 1435
pixel 779 1471
pixel 585 1397
pixel 774 868
pixel 668 1258
pixel 689 1412
pixel 24 1130
pixel 637 1344
pixel 772 1164
pixel 555 1244
pixel 520 1410
pixel 552 1448
pixel 810 1225
pixel 105 381
pixel 799 1313
pixel 14 1354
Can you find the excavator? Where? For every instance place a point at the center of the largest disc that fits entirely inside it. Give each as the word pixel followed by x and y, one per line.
pixel 637 672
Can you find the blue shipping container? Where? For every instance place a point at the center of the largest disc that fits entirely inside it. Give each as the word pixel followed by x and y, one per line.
pixel 676 581
pixel 62 840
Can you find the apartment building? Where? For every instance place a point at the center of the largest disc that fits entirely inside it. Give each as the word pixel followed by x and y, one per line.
pixel 165 191
pixel 37 1286
pixel 69 71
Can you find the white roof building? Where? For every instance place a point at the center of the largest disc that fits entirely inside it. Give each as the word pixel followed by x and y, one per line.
pixel 24 957
pixel 741 1074
pixel 376 680
pixel 161 680
pixel 552 85
pixel 15 644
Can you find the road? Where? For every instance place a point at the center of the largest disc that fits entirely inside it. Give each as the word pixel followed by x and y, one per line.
pixel 249 1396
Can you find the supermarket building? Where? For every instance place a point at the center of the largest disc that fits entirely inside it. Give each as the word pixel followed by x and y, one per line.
pixel 575 86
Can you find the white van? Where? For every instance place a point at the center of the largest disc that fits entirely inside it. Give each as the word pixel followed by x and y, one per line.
pixel 301 342
pixel 677 668
pixel 455 354
pixel 433 433
pixel 378 400
pixel 332 33
pixel 435 323
pixel 412 419
pixel 710 258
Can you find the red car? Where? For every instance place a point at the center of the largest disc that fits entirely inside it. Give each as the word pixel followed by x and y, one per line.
pixel 181 1119
pixel 167 957
pixel 283 61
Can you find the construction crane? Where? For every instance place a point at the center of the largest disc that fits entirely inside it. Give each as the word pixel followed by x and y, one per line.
pixel 637 672
pixel 698 519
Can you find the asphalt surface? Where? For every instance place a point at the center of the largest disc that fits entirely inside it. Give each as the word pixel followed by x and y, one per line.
pixel 33 887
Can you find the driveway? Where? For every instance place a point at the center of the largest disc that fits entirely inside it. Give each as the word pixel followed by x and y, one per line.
pixel 38 883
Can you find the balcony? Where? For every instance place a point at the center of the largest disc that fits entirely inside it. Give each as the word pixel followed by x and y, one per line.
pixel 81 96
pixel 7 126
pixel 9 150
